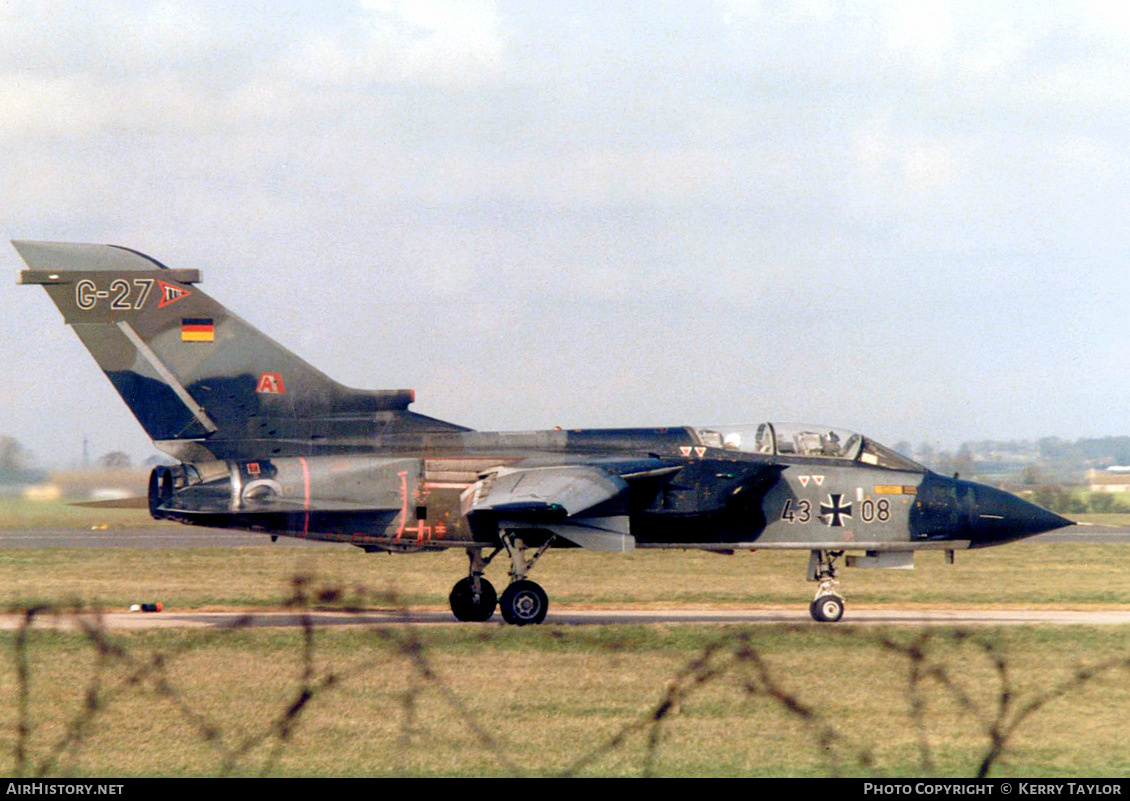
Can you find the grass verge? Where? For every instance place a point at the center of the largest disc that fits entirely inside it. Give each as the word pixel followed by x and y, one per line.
pixel 610 701
pixel 1065 575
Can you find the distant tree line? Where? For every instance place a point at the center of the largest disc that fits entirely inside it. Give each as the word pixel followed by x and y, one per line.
pixel 1064 501
pixel 1037 461
pixel 13 455
pixel 17 466
pixel 1104 450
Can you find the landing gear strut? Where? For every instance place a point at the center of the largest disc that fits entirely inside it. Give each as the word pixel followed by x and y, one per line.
pixel 828 605
pixel 474 598
pixel 523 602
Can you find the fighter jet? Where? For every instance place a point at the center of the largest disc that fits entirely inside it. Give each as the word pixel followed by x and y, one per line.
pixel 267 443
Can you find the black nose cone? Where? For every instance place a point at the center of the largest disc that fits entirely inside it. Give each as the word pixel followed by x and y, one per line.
pixel 999 516
pixel 951 509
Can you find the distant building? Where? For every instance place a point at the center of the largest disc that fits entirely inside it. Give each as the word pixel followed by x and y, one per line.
pixel 1107 481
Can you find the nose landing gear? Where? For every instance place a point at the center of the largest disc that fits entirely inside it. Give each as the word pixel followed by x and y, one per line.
pixel 828 605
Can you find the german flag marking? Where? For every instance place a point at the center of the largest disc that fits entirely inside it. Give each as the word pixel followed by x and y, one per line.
pixel 196 329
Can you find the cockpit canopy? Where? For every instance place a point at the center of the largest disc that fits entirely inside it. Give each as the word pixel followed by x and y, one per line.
pixel 799 439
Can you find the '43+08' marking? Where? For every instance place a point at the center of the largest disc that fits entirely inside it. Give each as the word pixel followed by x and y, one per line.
pixel 833 513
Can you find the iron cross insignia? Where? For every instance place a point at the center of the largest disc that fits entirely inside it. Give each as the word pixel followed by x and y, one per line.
pixel 834 512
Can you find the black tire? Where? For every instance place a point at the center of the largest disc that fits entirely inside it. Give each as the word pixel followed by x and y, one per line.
pixel 463 604
pixel 827 609
pixel 523 603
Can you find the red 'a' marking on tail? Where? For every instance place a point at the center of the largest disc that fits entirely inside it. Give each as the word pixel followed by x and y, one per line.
pixel 271 384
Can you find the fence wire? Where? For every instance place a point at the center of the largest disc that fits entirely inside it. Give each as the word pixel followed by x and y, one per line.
pixel 732 661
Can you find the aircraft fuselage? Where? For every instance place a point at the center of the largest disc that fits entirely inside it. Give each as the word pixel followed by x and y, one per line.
pixel 680 493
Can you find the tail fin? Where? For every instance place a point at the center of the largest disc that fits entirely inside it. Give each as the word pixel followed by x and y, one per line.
pixel 194 374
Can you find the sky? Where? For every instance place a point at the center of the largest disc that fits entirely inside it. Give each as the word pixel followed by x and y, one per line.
pixel 905 219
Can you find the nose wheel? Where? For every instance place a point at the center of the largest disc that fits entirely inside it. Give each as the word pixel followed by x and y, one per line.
pixel 828 605
pixel 827 608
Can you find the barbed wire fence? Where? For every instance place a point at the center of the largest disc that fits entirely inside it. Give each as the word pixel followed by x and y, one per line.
pixel 732 661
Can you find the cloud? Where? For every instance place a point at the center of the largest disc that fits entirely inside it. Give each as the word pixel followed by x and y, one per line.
pixel 447 44
pixel 761 182
pixel 183 67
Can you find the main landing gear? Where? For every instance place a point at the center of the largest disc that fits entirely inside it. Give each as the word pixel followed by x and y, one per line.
pixel 828 605
pixel 523 602
pixel 473 599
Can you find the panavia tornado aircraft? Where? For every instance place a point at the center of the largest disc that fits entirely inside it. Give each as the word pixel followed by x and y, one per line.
pixel 268 443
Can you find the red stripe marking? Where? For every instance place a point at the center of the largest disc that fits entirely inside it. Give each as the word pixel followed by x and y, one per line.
pixel 403 504
pixel 306 499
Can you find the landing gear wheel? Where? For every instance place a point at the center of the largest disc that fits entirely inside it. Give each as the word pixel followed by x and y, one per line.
pixel 523 603
pixel 827 608
pixel 462 600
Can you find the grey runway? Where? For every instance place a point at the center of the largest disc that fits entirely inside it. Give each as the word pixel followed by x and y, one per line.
pixel 875 616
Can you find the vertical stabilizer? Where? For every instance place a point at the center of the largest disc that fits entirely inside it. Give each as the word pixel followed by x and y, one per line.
pixel 190 370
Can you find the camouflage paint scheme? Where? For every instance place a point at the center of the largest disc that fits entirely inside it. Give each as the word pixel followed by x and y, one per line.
pixel 266 442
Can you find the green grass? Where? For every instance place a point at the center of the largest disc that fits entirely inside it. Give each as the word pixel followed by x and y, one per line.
pixel 20 513
pixel 1120 519
pixel 471 701
pixel 1063 576
pixel 1023 573
pixel 492 700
